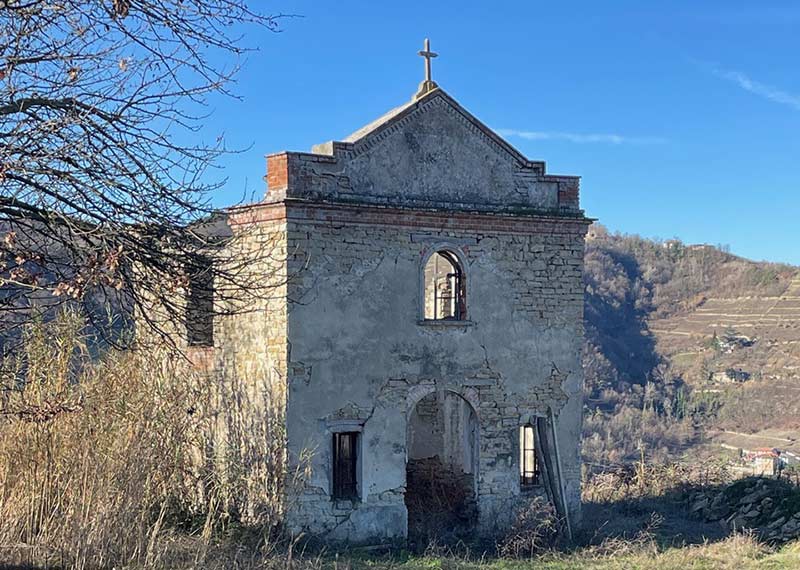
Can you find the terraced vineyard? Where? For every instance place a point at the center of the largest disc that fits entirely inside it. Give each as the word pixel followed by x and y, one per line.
pixel 706 340
pixel 769 329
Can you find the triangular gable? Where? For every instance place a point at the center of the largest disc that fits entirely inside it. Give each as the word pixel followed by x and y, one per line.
pixel 365 135
pixel 429 152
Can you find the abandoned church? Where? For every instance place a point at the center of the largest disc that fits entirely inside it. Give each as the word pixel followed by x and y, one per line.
pixel 424 326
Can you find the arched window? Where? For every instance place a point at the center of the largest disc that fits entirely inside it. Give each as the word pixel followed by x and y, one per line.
pixel 445 287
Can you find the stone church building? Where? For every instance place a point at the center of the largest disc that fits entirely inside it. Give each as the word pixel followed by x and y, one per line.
pixel 424 326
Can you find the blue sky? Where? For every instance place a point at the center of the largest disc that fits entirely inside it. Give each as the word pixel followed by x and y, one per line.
pixel 682 117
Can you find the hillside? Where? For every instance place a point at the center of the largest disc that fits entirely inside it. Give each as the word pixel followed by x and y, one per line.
pixel 685 345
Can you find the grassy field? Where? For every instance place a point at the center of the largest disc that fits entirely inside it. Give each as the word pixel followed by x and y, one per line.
pixel 101 471
pixel 736 553
pixel 739 552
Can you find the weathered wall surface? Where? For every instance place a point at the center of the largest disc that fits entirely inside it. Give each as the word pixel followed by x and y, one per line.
pixel 443 425
pixel 431 153
pixel 250 357
pixel 342 343
pixel 359 354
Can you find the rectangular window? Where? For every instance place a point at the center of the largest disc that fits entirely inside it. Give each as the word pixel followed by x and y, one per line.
pixel 345 463
pixel 528 462
pixel 200 305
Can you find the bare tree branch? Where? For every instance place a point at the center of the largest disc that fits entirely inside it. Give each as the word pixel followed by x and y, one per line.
pixel 101 195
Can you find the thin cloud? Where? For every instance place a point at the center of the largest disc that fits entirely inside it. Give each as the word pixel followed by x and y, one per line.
pixel 581 138
pixel 763 90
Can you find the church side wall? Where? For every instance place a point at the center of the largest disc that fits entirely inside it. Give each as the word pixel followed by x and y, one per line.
pixel 360 358
pixel 250 374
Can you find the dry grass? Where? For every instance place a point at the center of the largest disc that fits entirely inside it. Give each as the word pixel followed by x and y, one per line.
pixel 642 480
pixel 536 529
pixel 98 458
pixel 116 460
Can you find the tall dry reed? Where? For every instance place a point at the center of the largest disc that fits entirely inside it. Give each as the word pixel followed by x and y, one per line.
pixel 103 459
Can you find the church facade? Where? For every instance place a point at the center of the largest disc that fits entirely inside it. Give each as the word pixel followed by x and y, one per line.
pixel 424 325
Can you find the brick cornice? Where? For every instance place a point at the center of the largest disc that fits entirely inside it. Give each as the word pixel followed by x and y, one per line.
pixel 332 213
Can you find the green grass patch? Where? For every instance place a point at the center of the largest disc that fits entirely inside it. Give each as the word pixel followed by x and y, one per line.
pixel 739 552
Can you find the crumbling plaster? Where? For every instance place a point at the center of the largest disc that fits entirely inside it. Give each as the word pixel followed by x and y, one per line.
pixel 516 356
pixel 360 219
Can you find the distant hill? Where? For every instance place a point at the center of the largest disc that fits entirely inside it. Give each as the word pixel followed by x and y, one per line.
pixel 694 338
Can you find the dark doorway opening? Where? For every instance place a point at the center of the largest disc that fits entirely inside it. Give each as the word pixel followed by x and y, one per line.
pixel 442 467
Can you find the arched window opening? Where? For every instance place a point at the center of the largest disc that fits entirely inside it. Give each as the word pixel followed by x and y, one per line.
pixel 528 461
pixel 445 288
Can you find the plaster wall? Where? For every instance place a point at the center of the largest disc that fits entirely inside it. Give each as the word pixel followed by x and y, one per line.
pixel 443 425
pixel 429 153
pixel 359 355
pixel 349 343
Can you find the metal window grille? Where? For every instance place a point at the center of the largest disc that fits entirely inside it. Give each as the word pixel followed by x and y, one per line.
pixel 528 460
pixel 345 460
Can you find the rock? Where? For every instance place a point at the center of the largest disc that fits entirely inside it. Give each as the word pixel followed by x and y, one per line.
pixel 718 509
pixel 776 523
pixel 700 504
pixel 753 497
pixel 737 522
pixel 790 527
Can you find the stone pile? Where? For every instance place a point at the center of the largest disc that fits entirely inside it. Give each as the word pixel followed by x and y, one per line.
pixel 768 507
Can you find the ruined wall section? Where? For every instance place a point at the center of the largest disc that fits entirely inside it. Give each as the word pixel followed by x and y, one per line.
pixel 359 355
pixel 250 359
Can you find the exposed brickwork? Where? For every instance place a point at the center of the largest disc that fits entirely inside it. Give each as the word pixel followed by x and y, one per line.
pixel 278 171
pixel 568 195
pixel 470 167
pixel 433 220
pixel 538 272
pixel 251 361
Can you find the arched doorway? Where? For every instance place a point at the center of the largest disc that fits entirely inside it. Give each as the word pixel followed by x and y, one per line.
pixel 442 466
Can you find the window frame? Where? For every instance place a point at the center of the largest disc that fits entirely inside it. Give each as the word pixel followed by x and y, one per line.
pixel 345 480
pixel 199 304
pixel 529 479
pixel 457 259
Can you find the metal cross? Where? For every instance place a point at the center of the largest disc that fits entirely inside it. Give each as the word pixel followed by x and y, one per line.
pixel 428 54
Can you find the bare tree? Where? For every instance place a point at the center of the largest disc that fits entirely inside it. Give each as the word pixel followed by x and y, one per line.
pixel 104 196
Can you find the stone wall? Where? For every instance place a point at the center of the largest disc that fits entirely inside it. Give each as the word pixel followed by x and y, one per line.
pixel 344 344
pixel 360 357
pixel 250 361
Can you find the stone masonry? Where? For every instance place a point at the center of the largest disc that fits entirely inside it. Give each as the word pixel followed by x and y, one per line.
pixel 342 345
